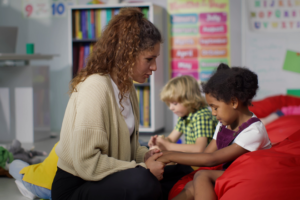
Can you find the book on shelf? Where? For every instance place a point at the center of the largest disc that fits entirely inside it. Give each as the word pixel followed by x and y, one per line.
pixel 78 33
pixel 81 58
pixel 116 11
pixel 75 59
pixel 103 20
pixel 81 54
pixel 83 24
pixel 89 24
pixel 98 23
pixel 108 15
pixel 86 54
pixel 143 95
pixel 93 35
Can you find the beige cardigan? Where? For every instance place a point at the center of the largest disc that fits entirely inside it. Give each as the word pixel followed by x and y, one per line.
pixel 94 139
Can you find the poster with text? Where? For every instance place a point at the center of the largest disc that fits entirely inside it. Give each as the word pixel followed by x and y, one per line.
pixel 274 15
pixel 199 37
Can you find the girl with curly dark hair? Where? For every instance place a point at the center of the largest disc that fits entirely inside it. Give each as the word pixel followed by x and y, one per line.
pixel 99 153
pixel 228 92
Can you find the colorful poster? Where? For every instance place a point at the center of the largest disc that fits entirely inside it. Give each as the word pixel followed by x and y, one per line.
pixel 274 15
pixel 199 37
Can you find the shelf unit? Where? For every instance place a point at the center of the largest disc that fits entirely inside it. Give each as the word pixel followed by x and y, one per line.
pixel 24 94
pixel 156 82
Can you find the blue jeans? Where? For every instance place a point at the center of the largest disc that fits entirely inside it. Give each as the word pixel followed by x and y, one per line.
pixel 15 167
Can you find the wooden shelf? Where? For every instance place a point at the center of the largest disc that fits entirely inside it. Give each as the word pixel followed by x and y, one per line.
pixel 26 56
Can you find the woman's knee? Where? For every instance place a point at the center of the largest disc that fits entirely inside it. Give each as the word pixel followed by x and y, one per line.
pixel 145 177
pixel 147 182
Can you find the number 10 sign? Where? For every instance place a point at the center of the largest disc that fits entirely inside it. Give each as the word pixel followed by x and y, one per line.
pixel 45 8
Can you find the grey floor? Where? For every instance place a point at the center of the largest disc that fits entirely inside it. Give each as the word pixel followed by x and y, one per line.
pixel 8 188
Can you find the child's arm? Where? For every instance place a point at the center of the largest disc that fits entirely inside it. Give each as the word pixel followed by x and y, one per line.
pixel 198 147
pixel 212 147
pixel 173 137
pixel 204 159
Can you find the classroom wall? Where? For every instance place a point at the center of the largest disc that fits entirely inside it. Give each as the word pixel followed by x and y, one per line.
pixel 50 36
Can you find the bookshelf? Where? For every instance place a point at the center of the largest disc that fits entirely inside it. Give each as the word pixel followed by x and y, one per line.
pixel 86 24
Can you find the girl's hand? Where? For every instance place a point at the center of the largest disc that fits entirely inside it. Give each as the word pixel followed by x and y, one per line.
pixel 156 167
pixel 150 153
pixel 165 158
pixel 162 143
pixel 152 141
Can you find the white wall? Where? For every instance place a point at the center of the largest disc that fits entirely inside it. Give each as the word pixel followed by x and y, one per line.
pixel 50 37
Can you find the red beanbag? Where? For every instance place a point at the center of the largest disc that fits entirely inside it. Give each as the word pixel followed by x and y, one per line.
pixel 283 128
pixel 264 107
pixel 265 174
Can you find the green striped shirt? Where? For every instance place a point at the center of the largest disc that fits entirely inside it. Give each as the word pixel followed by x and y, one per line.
pixel 198 124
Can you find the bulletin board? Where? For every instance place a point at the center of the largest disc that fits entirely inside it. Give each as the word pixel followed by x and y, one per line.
pixel 274 54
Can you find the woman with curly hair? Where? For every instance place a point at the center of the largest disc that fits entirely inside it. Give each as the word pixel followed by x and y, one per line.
pixel 99 153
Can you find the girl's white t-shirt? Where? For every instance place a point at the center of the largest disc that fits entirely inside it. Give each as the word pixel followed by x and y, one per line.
pixel 252 138
pixel 127 112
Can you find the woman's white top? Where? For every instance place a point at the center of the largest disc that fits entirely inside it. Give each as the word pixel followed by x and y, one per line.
pixel 252 138
pixel 127 112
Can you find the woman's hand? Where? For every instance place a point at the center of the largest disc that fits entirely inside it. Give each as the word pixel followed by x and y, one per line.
pixel 152 141
pixel 150 153
pixel 155 167
pixel 154 147
pixel 163 143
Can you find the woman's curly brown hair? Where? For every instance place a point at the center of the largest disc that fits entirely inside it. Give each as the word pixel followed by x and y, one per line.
pixel 125 36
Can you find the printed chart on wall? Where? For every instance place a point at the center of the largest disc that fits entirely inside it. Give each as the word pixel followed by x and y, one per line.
pixel 274 15
pixel 271 46
pixel 199 37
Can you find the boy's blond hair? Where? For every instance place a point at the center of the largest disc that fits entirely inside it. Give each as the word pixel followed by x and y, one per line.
pixel 184 90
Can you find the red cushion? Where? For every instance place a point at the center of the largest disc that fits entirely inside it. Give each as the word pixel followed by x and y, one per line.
pixel 265 174
pixel 264 107
pixel 283 127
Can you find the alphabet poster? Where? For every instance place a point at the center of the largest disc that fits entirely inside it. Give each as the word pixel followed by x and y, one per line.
pixel 199 33
pixel 274 15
